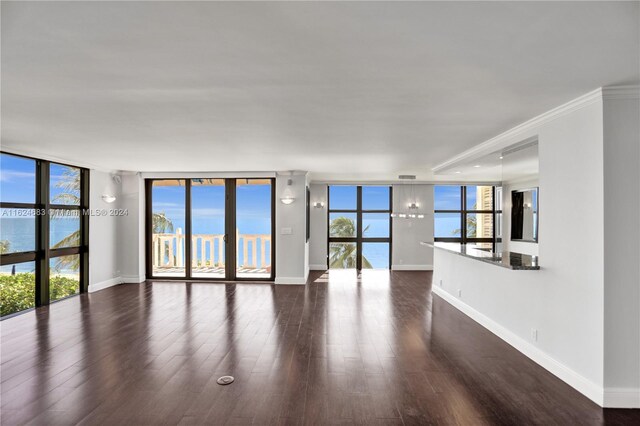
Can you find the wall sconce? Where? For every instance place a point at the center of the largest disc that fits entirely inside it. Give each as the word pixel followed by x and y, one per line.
pixel 287 195
pixel 318 204
pixel 108 198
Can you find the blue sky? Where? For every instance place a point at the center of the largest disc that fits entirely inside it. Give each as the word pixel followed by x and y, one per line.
pixel 253 207
pixel 17 179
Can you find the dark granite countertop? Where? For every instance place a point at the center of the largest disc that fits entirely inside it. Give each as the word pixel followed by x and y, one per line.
pixel 505 259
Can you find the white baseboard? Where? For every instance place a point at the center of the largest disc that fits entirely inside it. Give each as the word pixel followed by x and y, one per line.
pixel 104 284
pixel 318 267
pixel 290 280
pixel 564 373
pixel 412 267
pixel 622 398
pixel 133 279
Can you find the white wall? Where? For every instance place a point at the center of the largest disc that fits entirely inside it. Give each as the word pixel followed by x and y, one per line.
pixel 104 267
pixel 319 220
pixel 564 300
pixel 407 252
pixel 291 249
pixel 131 231
pixel 621 249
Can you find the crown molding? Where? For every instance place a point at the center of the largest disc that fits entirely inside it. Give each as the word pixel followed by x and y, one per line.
pixel 621 92
pixel 505 138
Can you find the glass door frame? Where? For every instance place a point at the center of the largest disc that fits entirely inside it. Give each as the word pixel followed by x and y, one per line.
pixel 229 227
pixel 359 239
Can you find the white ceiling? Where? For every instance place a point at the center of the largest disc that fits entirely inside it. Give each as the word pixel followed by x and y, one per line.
pixel 344 90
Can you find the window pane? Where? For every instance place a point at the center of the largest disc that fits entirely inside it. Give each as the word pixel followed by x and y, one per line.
pixel 64 185
pixel 375 225
pixel 447 225
pixel 343 197
pixel 64 228
pixel 207 227
pixel 17 230
pixel 17 287
pixel 253 225
pixel 479 198
pixel 342 255
pixel 168 219
pixel 447 197
pixel 375 255
pixel 17 179
pixel 64 276
pixel 375 198
pixel 479 225
pixel 342 224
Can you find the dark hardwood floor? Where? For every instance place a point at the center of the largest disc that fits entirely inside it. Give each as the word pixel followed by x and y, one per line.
pixel 379 349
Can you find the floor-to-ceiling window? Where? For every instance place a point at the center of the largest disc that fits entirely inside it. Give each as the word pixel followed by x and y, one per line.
pixel 44 221
pixel 210 228
pixel 359 227
pixel 465 214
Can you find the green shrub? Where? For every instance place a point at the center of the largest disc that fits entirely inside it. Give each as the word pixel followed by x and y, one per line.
pixel 18 292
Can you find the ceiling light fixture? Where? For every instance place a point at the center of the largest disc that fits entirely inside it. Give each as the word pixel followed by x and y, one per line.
pixel 413 208
pixel 476 166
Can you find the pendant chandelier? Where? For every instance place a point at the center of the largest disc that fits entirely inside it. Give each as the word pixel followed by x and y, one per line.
pixel 412 211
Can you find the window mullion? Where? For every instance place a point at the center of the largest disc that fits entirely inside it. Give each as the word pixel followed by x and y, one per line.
pixel 42 237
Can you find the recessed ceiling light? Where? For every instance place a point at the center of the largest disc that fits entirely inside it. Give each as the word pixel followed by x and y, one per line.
pixel 477 165
pixel 458 172
pixel 501 157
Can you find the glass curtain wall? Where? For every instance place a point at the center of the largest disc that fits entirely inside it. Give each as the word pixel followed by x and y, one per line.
pixel 44 221
pixel 359 227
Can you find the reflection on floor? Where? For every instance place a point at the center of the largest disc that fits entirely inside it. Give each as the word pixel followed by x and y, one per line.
pixel 373 349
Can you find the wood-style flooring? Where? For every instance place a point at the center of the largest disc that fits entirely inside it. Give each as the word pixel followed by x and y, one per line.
pixel 373 349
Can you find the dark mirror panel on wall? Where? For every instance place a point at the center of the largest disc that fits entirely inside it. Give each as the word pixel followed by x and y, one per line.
pixel 308 213
pixel 524 215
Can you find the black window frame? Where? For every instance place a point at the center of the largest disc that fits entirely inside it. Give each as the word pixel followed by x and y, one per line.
pixel 358 238
pixel 463 212
pixel 43 252
pixel 230 231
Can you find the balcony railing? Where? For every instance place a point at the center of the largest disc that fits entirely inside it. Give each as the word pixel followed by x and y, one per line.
pixel 168 250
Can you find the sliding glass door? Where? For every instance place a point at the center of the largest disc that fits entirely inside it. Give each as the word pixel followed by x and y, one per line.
pixel 206 228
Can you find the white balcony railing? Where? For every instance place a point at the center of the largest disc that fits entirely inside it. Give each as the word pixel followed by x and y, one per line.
pixel 168 250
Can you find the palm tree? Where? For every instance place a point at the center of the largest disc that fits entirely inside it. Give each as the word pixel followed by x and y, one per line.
pixel 4 246
pixel 161 223
pixel 343 255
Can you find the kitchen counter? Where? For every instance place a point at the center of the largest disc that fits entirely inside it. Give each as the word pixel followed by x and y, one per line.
pixel 505 259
